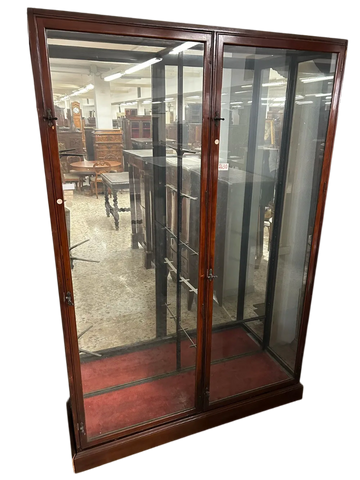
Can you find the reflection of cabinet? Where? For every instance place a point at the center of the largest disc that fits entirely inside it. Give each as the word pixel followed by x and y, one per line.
pixel 193 113
pixel 108 145
pixel 71 140
pixel 136 127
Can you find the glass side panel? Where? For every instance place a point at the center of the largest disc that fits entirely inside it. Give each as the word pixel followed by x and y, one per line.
pixel 130 162
pixel 310 120
pixel 255 98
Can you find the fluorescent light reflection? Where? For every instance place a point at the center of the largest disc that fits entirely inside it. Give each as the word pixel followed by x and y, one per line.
pixel 135 68
pixel 183 47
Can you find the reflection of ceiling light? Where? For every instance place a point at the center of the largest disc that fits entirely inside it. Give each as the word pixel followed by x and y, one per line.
pixel 304 103
pixel 235 103
pixel 133 69
pixel 241 92
pixel 194 96
pixel 317 95
pixel 273 84
pixel 114 76
pixel 316 79
pixel 299 97
pixel 146 101
pixel 327 103
pixel 246 86
pixel 168 99
pixel 77 92
pixel 136 68
pixel 83 90
pixel 183 47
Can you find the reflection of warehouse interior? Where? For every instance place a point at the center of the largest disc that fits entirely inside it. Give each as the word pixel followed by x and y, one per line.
pixel 129 126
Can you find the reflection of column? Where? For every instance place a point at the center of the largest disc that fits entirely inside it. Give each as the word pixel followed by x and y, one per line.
pixel 294 230
pixel 102 104
pixel 225 113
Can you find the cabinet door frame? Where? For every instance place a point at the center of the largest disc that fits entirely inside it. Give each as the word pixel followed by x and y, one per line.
pixel 269 40
pixel 39 22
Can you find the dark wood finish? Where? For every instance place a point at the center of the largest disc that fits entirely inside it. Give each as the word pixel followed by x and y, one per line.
pixel 108 146
pixel 39 21
pixel 117 449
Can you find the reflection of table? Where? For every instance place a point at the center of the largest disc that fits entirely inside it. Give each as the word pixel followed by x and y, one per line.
pixel 88 166
pixel 116 182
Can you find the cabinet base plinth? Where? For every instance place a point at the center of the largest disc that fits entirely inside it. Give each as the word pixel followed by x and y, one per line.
pixel 123 449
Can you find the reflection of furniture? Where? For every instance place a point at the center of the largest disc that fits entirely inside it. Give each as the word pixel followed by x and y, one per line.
pixel 108 146
pixel 231 187
pixel 71 139
pixel 99 167
pixel 193 113
pixel 136 127
pixel 88 167
pixel 89 142
pixel 140 167
pixel 115 182
pixel 67 174
pixel 141 143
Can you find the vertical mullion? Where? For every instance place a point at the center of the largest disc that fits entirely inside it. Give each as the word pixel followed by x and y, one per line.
pixel 211 204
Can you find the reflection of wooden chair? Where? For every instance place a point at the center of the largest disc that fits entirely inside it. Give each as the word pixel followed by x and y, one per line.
pixel 70 176
pixel 99 167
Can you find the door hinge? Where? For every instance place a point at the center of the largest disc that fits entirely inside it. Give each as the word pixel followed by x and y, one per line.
pixel 210 275
pixel 68 299
pixel 81 428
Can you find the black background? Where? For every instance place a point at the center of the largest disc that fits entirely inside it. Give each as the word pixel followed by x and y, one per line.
pixel 312 434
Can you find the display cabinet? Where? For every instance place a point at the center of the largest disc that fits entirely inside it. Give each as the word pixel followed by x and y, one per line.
pixel 211 327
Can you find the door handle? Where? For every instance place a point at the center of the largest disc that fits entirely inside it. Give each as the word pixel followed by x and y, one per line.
pixel 217 119
pixel 49 117
pixel 210 275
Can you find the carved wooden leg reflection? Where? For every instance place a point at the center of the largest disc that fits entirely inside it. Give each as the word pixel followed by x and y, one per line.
pixel 116 209
pixel 134 234
pixel 107 203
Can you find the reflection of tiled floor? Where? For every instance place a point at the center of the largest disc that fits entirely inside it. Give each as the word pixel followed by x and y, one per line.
pixel 117 295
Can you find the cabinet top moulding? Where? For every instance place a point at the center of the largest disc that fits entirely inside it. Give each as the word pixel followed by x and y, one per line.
pixel 263 38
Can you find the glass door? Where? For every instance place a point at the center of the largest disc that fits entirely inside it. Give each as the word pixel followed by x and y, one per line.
pixel 274 107
pixel 130 160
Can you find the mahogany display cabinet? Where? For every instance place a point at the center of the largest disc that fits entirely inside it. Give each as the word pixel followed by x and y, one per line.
pixel 212 327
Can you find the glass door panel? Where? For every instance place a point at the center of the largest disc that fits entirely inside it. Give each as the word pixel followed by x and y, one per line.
pixel 260 157
pixel 131 181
